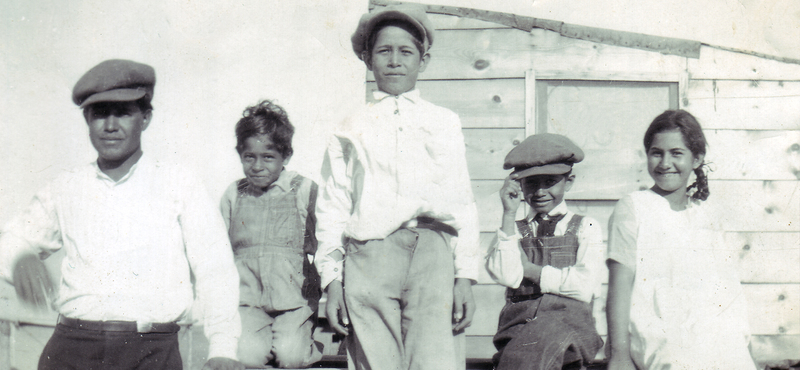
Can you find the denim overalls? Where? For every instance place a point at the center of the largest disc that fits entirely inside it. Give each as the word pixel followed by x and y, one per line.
pixel 279 288
pixel 545 331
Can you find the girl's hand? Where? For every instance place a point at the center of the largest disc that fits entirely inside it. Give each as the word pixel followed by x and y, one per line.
pixel 511 195
pixel 621 363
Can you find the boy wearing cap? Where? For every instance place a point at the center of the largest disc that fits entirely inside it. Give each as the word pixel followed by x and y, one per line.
pixel 549 262
pixel 133 230
pixel 396 205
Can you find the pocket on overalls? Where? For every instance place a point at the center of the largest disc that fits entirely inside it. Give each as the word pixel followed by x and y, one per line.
pixel 562 259
pixel 285 279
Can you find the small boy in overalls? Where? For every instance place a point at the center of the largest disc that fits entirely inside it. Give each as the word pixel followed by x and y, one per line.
pixel 549 262
pixel 271 224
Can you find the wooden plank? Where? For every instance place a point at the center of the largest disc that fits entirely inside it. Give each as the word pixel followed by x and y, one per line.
pixel 755 105
pixel 5 345
pixel 756 205
pixel 496 103
pixel 508 53
pixel 450 22
pixel 487 149
pixel 720 64
pixel 754 155
pixel 766 257
pixel 773 308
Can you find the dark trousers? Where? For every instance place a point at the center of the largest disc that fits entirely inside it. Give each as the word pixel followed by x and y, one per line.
pixel 79 349
pixel 546 333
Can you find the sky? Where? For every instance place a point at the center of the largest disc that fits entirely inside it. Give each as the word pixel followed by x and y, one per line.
pixel 211 62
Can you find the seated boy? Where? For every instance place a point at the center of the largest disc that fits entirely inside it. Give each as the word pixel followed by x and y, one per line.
pixel 271 225
pixel 549 261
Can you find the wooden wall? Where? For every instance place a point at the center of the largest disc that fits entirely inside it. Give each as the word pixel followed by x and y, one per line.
pixel 749 108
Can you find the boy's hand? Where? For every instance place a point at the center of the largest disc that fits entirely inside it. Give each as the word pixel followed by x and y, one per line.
pixel 32 281
pixel 222 363
pixel 511 195
pixel 463 304
pixel 336 309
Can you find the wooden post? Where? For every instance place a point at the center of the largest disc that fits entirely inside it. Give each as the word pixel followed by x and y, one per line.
pixel 5 345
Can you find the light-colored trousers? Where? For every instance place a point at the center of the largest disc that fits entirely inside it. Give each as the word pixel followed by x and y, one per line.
pixel 399 295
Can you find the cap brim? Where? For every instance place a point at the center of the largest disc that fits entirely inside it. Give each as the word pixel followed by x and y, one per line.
pixel 115 95
pixel 548 169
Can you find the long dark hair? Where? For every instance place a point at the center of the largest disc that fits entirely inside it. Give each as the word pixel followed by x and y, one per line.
pixel 694 139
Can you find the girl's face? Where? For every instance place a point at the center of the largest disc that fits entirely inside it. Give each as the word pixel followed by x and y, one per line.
pixel 261 162
pixel 670 162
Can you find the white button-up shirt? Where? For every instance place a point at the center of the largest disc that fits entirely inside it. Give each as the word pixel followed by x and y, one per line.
pixel 130 246
pixel 399 158
pixel 581 281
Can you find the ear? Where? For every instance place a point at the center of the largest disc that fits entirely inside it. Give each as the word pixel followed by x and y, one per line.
pixel 367 58
pixel 424 60
pixel 146 119
pixel 286 160
pixel 569 180
pixel 698 160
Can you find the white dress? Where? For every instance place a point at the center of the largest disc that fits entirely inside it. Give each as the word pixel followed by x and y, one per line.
pixel 687 306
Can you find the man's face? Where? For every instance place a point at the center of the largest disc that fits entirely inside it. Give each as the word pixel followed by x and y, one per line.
pixel 396 61
pixel 545 192
pixel 115 129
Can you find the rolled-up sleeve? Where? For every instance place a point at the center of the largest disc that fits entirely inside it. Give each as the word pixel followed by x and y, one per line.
pixel 580 281
pixel 622 233
pixel 504 260
pixel 211 258
pixel 334 207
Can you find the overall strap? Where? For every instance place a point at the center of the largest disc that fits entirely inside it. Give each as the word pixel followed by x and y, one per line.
pixel 242 185
pixel 524 229
pixel 574 225
pixel 296 181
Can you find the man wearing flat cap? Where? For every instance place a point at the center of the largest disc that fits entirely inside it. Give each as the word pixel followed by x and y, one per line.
pixel 397 224
pixel 133 230
pixel 549 261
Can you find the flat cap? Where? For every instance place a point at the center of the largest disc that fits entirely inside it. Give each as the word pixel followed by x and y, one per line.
pixel 115 80
pixel 411 13
pixel 543 154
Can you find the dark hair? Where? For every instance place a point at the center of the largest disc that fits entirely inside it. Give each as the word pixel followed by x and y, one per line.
pixel 693 138
pixel 406 26
pixel 266 118
pixel 144 104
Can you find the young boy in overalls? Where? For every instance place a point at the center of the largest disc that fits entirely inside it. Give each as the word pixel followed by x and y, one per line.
pixel 271 224
pixel 395 194
pixel 549 261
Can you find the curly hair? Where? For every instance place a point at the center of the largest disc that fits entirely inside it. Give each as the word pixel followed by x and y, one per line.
pixel 693 138
pixel 266 118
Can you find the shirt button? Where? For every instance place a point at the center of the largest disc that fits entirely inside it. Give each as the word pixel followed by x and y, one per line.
pixel 396 111
pixel 400 128
pixel 336 270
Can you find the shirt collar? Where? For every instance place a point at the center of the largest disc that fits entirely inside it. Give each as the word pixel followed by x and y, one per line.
pixel 560 209
pixel 412 95
pixel 143 161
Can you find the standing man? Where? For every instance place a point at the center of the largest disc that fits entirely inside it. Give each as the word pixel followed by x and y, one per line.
pixel 397 223
pixel 134 230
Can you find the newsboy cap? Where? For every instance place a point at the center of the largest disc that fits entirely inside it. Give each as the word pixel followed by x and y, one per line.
pixel 543 154
pixel 411 13
pixel 115 80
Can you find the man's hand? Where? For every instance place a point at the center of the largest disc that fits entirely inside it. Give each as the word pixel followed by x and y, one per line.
pixel 335 309
pixel 511 195
pixel 32 281
pixel 222 363
pixel 463 304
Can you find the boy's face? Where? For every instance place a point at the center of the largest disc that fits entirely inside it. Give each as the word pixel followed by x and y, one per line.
pixel 115 129
pixel 545 192
pixel 395 60
pixel 262 164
